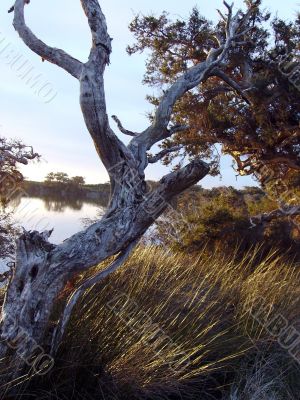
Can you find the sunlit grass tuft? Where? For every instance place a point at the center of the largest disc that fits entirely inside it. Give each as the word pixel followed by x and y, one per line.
pixel 175 327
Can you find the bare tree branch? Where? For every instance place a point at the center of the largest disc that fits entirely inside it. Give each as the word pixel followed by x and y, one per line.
pixel 178 128
pixel 288 211
pixel 42 269
pixel 121 128
pixel 92 96
pixel 92 93
pixel 98 27
pixel 229 17
pixel 190 79
pixel 53 55
pixel 231 83
pixel 13 7
pixel 221 15
pixel 163 153
pixel 7 154
pixel 177 181
pixel 99 276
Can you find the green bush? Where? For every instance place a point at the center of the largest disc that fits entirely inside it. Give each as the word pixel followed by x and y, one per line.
pixel 220 219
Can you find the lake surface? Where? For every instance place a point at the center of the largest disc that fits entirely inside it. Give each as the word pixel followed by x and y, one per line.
pixel 65 215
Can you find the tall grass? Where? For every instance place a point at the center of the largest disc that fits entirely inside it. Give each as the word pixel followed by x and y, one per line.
pixel 168 326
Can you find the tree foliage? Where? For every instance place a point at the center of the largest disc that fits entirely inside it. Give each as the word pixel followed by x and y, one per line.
pixel 62 179
pixel 223 219
pixel 250 113
pixel 12 154
pixel 133 206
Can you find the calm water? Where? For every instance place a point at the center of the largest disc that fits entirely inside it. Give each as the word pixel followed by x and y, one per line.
pixel 64 215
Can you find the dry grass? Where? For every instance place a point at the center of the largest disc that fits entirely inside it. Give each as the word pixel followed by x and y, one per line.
pixel 268 377
pixel 167 326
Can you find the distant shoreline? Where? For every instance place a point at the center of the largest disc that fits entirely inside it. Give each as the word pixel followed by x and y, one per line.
pixel 95 193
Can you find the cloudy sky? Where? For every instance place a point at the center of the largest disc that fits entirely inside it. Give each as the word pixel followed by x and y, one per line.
pixel 48 115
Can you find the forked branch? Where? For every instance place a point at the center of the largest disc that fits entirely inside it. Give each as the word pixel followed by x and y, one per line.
pixel 53 55
pixel 132 209
pixel 216 59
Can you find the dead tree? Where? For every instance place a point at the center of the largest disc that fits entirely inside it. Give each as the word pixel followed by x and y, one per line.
pixel 42 269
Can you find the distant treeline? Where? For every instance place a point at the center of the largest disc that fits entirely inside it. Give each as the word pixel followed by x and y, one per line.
pixel 98 193
pixel 60 185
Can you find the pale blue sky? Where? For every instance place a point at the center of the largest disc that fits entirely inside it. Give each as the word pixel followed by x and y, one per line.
pixel 55 127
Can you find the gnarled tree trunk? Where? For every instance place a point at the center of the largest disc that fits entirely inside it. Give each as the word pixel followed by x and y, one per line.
pixel 42 269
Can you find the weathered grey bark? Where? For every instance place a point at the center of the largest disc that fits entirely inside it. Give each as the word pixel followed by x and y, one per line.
pixel 290 212
pixel 42 269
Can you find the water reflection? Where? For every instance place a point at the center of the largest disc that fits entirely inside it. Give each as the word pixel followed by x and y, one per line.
pixel 64 214
pixel 60 205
